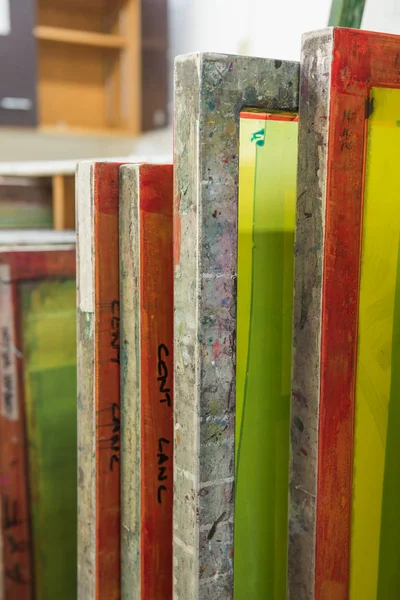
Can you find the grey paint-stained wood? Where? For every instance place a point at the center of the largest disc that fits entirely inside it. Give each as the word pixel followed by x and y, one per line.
pixel 130 382
pixel 85 369
pixel 315 75
pixel 210 92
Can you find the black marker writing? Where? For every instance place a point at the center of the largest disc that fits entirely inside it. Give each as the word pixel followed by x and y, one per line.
pixel 115 331
pixel 11 521
pixel 10 513
pixel 113 442
pixel 16 575
pixel 16 546
pixel 161 488
pixel 8 385
pixel 163 374
pixel 345 139
pixel 162 458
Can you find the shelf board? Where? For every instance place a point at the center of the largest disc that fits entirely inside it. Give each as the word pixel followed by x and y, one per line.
pixel 85 131
pixel 83 38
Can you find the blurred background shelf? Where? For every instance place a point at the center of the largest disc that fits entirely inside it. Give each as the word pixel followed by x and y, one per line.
pixel 84 38
pixel 41 195
pixel 37 202
pixel 86 79
pixel 82 68
pixel 81 83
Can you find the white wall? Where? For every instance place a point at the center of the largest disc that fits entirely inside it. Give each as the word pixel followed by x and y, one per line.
pixel 258 27
pixel 266 28
pixel 382 15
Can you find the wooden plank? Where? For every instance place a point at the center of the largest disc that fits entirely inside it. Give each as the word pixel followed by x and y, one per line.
pixel 98 382
pixel 69 202
pixel 63 202
pixel 84 38
pixel 210 92
pixel 130 383
pixel 86 382
pixel 331 250
pixel 58 203
pixel 147 394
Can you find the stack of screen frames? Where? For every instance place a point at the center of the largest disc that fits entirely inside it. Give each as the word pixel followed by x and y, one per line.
pixel 284 242
pixel 343 465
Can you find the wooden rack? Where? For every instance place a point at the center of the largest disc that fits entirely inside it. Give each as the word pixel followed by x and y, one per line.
pixel 89 56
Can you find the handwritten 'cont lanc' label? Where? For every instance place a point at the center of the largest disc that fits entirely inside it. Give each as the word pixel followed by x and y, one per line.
pixel 114 324
pixel 8 370
pixel 165 393
pixel 11 523
pixel 162 457
pixel 163 374
pixel 109 421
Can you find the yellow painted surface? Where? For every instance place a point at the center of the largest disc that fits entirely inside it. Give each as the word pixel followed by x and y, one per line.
pixel 247 169
pixel 267 191
pixel 376 317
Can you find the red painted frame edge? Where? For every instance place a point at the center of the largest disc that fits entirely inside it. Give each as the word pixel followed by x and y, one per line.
pixel 107 381
pixel 156 379
pixel 360 61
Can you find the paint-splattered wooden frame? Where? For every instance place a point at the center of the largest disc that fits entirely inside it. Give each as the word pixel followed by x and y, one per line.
pixel 98 381
pixel 19 266
pixel 210 92
pixel 338 69
pixel 146 276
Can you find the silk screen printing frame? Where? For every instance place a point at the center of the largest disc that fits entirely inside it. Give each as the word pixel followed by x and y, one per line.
pixel 98 318
pixel 146 294
pixel 210 93
pixel 345 474
pixel 33 561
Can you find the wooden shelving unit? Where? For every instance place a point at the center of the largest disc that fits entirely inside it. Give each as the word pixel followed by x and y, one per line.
pixel 89 66
pixel 89 56
pixel 85 66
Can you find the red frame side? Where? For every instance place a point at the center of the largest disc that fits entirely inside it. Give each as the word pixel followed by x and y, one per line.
pixel 156 381
pixel 18 565
pixel 361 60
pixel 107 381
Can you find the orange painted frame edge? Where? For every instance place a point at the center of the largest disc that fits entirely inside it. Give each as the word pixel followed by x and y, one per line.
pixel 360 61
pixel 24 267
pixel 107 380
pixel 156 378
